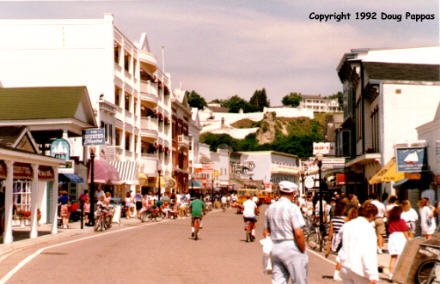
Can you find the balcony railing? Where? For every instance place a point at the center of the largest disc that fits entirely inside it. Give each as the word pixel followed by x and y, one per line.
pixel 149 127
pixel 149 92
pixel 183 141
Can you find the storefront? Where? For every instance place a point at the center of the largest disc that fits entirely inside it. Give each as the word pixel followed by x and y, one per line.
pixel 29 183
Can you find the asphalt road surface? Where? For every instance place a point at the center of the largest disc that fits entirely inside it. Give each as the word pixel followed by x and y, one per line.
pixel 155 253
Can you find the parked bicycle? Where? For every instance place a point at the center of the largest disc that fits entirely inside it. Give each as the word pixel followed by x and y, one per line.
pixel 103 218
pixel 317 239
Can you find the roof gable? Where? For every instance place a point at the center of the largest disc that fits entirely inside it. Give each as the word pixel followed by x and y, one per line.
pixel 18 138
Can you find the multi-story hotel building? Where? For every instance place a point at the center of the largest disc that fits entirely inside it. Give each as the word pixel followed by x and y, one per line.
pixel 129 94
pixel 181 119
pixel 318 103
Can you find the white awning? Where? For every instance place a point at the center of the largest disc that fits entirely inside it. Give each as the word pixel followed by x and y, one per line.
pixel 127 171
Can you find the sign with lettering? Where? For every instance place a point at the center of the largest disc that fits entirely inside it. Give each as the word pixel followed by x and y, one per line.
pixel 94 136
pixel 412 160
pixel 323 148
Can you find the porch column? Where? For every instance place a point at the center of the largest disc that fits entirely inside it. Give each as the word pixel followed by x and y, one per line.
pixel 34 207
pixel 7 234
pixel 54 204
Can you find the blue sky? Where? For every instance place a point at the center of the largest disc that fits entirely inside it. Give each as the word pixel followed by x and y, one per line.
pixel 224 47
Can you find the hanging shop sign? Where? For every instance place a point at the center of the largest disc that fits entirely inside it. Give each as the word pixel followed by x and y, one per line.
pixel 93 136
pixel 60 148
pixel 412 160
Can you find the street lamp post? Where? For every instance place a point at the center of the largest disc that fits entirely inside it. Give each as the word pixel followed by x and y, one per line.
pixel 92 187
pixel 321 212
pixel 158 184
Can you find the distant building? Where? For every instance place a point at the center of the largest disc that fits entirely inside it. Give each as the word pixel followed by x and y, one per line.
pixel 270 167
pixel 318 103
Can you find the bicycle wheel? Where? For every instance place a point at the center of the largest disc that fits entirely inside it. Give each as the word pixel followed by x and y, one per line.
pixel 196 229
pixel 426 271
pixel 313 241
pixel 98 224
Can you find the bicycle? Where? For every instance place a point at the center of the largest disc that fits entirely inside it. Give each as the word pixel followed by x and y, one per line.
pixel 197 221
pixel 103 218
pixel 249 228
pixel 317 239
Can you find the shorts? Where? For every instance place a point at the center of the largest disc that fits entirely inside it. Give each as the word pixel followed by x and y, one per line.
pixel 379 225
pixel 193 218
pixel 138 205
pixel 396 243
pixel 250 219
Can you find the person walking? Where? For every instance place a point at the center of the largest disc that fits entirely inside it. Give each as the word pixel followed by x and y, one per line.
pixel 358 253
pixel 409 215
pixel 379 222
pixel 284 223
pixel 337 221
pixel 398 235
pixel 427 220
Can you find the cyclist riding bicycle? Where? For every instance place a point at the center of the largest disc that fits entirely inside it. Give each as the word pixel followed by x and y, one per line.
pixel 197 208
pixel 250 212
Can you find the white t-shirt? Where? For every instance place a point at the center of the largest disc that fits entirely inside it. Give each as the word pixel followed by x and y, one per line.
pixel 249 208
pixel 380 208
pixel 224 199
pixel 410 215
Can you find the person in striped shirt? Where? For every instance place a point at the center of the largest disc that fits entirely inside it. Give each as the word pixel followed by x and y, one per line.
pixel 337 221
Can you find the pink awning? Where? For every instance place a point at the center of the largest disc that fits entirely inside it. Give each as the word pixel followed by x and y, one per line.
pixel 104 173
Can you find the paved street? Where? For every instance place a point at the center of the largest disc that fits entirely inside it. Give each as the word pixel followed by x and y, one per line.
pixel 156 253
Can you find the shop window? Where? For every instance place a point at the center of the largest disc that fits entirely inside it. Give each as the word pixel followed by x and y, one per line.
pixel 21 196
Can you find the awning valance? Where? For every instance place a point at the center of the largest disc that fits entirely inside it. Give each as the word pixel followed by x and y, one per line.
pixel 387 174
pixel 127 171
pixel 104 173
pixel 73 178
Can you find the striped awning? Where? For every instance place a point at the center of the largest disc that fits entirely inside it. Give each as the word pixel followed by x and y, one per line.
pixel 127 171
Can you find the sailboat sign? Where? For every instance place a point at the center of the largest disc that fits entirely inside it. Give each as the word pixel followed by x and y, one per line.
pixel 60 148
pixel 412 160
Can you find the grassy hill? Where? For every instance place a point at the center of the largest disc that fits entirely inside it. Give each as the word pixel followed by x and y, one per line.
pixel 290 135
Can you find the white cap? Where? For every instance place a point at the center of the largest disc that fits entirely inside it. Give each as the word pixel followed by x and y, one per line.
pixel 288 186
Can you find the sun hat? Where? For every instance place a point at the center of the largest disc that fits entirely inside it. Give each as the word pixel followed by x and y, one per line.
pixel 287 186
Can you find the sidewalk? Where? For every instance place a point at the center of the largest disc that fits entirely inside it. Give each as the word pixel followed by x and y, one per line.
pixel 22 240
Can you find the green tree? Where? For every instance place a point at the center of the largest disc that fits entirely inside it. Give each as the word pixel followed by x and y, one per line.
pixel 235 103
pixel 292 99
pixel 195 100
pixel 259 100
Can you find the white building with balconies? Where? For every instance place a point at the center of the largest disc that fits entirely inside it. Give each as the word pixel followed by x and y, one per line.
pixel 129 94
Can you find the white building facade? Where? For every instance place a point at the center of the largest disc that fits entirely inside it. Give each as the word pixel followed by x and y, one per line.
pixel 129 94
pixel 387 95
pixel 318 103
